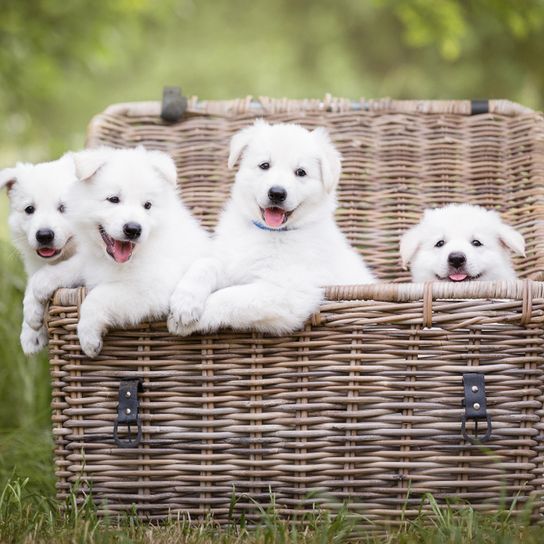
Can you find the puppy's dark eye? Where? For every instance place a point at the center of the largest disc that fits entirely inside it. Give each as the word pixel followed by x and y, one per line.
pixel 29 210
pixel 264 165
pixel 113 199
pixel 300 172
pixel 440 243
pixel 147 205
pixel 476 243
pixel 61 208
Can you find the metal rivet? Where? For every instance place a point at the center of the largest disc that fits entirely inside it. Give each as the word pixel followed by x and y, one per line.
pixel 128 410
pixel 476 405
pixel 127 394
pixel 474 388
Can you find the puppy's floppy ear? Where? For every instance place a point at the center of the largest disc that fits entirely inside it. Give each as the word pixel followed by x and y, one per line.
pixel 330 159
pixel 88 162
pixel 241 140
pixel 512 239
pixel 165 166
pixel 67 160
pixel 409 244
pixel 8 177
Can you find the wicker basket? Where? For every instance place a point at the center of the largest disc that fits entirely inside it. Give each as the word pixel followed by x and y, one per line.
pixel 364 406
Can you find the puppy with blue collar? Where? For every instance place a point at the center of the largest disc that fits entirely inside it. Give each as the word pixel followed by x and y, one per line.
pixel 277 243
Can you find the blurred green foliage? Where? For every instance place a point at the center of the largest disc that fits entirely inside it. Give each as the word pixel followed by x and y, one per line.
pixel 63 61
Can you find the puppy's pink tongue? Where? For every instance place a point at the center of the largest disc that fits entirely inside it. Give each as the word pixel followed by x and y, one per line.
pixel 46 251
pixel 274 217
pixel 458 277
pixel 122 251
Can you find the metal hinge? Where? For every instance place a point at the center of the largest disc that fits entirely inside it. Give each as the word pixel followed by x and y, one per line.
pixel 479 106
pixel 174 104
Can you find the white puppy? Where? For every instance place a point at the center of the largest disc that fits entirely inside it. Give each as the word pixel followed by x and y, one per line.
pixel 39 226
pixel 135 240
pixel 461 242
pixel 277 242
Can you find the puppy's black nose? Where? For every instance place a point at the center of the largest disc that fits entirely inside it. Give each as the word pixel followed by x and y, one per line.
pixel 277 194
pixel 457 259
pixel 132 230
pixel 45 236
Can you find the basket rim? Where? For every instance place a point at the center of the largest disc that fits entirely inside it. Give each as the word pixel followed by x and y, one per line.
pixel 328 103
pixel 524 289
pixel 262 105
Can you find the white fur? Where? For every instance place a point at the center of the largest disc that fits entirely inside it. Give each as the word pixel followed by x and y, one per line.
pixel 271 281
pixel 43 186
pixel 122 294
pixel 458 226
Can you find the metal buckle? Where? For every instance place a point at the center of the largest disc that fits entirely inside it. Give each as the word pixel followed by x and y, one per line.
pixel 475 407
pixel 127 413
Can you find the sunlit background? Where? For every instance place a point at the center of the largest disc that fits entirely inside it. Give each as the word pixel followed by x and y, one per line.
pixel 62 61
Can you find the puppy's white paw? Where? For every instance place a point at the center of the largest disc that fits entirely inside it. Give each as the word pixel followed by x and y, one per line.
pixel 41 291
pixel 186 308
pixel 40 286
pixel 33 312
pixel 177 328
pixel 90 339
pixel 33 341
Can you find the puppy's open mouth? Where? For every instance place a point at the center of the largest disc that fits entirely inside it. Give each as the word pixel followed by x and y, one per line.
pixel 119 250
pixel 275 217
pixel 48 252
pixel 458 277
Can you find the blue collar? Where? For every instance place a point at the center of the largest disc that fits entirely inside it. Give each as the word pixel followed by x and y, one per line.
pixel 262 226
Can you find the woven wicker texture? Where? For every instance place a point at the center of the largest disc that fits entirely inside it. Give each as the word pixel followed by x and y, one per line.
pixel 365 404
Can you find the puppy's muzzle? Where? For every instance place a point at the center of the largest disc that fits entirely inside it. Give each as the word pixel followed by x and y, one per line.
pixel 457 259
pixel 277 194
pixel 132 230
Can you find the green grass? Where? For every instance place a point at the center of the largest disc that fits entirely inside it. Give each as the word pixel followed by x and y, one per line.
pixel 29 512
pixel 25 435
pixel 27 516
